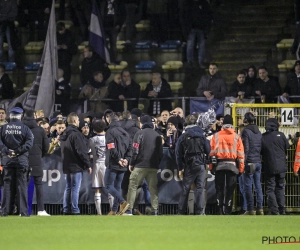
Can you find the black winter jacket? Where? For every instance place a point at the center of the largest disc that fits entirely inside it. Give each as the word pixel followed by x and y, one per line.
pixel 118 146
pixel 74 151
pixel 114 91
pixel 237 87
pixel 271 89
pixel 18 137
pixel 65 55
pixel 273 150
pixel 293 86
pixel 251 138
pixel 194 131
pixel 40 146
pixel 132 91
pixel 147 148
pixel 6 87
pixel 130 127
pixel 90 65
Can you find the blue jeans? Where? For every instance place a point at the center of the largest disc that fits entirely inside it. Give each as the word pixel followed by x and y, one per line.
pixel 243 192
pixel 255 179
pixel 113 180
pixel 195 34
pixel 71 194
pixel 6 29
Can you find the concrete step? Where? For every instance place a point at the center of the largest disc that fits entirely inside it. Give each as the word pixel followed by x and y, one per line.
pixel 238 64
pixel 262 30
pixel 239 57
pixel 253 38
pixel 245 44
pixel 256 23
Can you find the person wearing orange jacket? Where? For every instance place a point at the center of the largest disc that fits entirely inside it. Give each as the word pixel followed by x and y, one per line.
pixel 297 160
pixel 227 154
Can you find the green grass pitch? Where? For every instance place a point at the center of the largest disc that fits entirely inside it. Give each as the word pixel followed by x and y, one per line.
pixel 146 232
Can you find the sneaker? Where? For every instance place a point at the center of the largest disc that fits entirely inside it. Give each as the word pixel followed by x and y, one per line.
pixel 252 212
pixel 123 207
pixel 136 212
pixel 43 213
pixel 24 215
pixel 148 211
pixel 127 213
pixel 112 213
pixel 259 212
pixel 155 213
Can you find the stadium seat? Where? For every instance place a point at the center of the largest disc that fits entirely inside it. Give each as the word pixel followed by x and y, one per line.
pixel 286 65
pixel 170 45
pixel 34 66
pixel 118 67
pixel 34 47
pixel 28 86
pixel 143 85
pixel 120 46
pixel 9 66
pixel 141 106
pixel 68 23
pixel 145 44
pixel 172 65
pixel 82 45
pixel 143 25
pixel 176 86
pixel 285 44
pixel 145 65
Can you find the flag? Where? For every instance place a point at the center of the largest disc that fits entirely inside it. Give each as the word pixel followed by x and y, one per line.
pixel 97 34
pixel 41 96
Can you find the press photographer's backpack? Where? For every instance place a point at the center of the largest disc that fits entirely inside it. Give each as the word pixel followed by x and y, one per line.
pixel 194 147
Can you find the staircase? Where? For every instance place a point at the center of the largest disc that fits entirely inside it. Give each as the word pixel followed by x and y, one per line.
pixel 250 31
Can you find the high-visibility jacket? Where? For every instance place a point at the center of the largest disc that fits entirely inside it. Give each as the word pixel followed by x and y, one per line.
pixel 227 144
pixel 297 158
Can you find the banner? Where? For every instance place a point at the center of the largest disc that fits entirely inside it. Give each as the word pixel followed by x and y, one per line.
pixel 201 105
pixel 169 184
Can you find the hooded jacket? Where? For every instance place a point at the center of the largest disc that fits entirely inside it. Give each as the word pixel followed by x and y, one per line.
pixel 216 84
pixel 74 151
pixel 118 146
pixel 274 146
pixel 147 148
pixel 227 145
pixel 251 138
pixel 40 146
pixel 130 127
pixel 194 131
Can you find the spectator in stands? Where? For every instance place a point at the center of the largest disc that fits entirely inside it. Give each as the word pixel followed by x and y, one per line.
pixel 83 10
pixel 46 127
pixel 66 48
pixel 251 75
pixel 274 143
pixel 197 18
pixel 241 88
pixel 131 18
pixel 131 89
pixel 75 159
pixel 6 85
pixel 62 92
pixel 158 88
pixel 116 91
pixel 39 114
pixel 39 149
pixel 85 129
pixel 58 115
pixel 292 86
pixel 95 89
pixel 266 88
pixel 177 112
pixel 91 63
pixel 2 117
pixel 163 124
pixel 113 16
pixel 172 132
pixel 212 85
pixel 158 14
pixel 55 142
pixel 37 11
pixel 8 14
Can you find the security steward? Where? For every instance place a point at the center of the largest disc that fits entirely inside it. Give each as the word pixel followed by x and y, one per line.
pixel 227 154
pixel 191 150
pixel 16 140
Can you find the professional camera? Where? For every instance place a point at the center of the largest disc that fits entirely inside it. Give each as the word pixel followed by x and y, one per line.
pixel 294 138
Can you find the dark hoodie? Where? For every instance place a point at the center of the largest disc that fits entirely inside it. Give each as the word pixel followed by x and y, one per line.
pixel 274 149
pixel 252 79
pixel 251 138
pixel 74 152
pixel 194 131
pixel 130 127
pixel 40 146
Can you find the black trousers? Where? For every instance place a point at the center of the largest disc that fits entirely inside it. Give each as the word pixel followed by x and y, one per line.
pixel 15 182
pixel 275 185
pixel 199 178
pixel 38 184
pixel 229 178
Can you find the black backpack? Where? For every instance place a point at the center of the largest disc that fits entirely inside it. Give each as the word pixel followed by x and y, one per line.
pixel 193 147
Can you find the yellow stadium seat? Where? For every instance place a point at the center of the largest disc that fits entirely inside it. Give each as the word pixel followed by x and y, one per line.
pixel 172 65
pixel 286 64
pixel 82 45
pixel 68 23
pixel 143 85
pixel 175 86
pixel 34 47
pixel 118 67
pixel 141 106
pixel 143 25
pixel 285 44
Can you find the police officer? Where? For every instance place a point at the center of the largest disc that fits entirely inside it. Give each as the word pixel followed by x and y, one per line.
pixel 228 150
pixel 192 148
pixel 16 140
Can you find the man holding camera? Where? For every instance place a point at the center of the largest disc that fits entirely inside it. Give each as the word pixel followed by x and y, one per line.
pixel 227 153
pixel 191 149
pixel 251 137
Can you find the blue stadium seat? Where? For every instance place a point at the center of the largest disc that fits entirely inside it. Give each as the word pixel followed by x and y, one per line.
pixel 9 66
pixel 143 44
pixel 145 65
pixel 34 66
pixel 170 44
